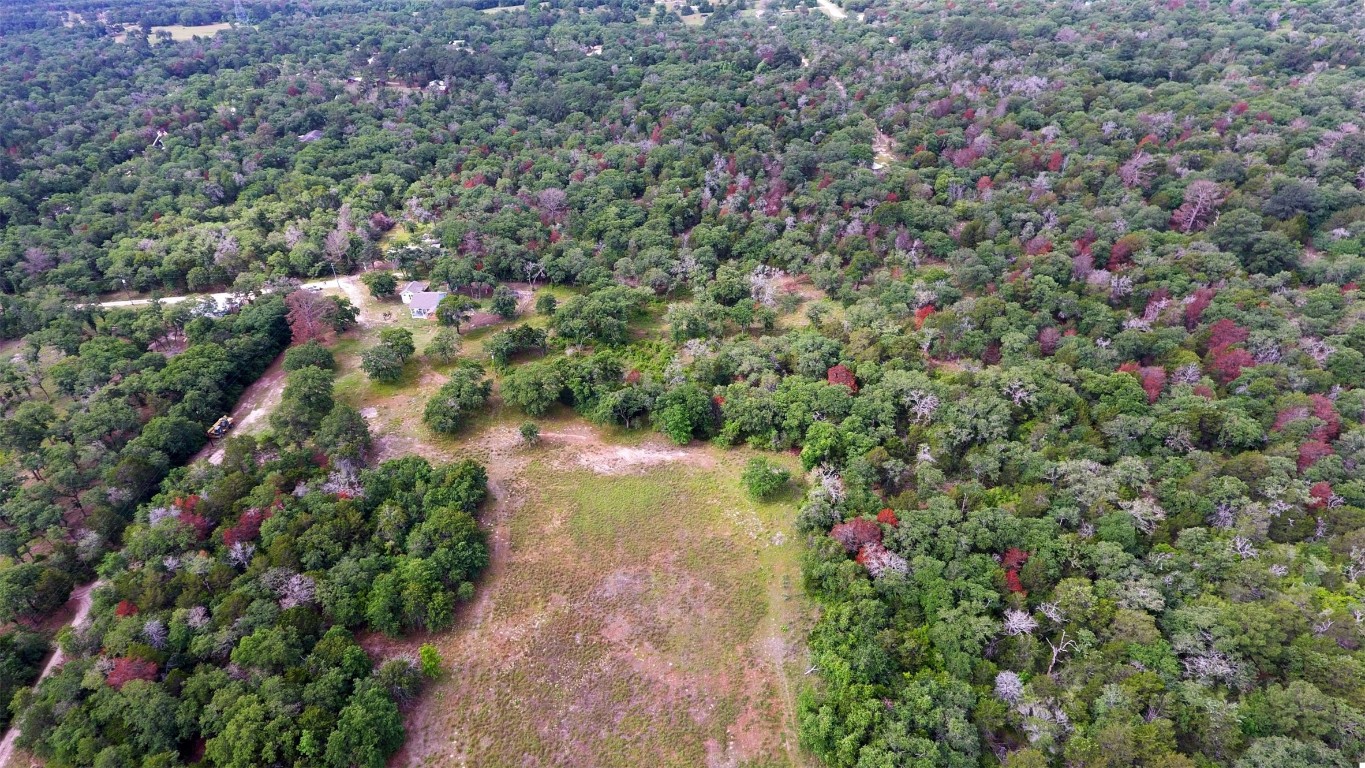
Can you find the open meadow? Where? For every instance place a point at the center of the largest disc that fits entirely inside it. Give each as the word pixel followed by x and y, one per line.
pixel 640 609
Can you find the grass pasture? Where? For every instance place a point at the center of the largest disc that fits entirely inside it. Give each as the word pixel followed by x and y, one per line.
pixel 180 32
pixel 644 617
pixel 640 609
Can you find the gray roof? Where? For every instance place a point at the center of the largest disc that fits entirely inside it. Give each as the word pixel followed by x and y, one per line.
pixel 414 287
pixel 426 300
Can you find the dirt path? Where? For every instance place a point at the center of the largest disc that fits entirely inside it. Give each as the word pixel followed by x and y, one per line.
pixel 251 410
pixel 883 148
pixel 831 10
pixel 222 299
pixel 351 287
pixel 584 446
pixel 79 605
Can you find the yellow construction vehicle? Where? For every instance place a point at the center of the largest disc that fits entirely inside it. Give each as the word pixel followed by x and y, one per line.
pixel 220 427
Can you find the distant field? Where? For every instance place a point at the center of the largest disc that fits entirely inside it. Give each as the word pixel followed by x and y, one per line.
pixel 181 32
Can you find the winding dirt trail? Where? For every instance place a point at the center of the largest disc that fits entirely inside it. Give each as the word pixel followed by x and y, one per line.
pixel 80 605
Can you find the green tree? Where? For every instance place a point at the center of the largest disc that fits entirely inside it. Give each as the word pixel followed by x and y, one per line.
pixel 504 303
pixel 344 434
pixel 382 284
pixel 530 433
pixel 763 479
pixel 344 315
pixel 444 346
pixel 311 353
pixel 430 660
pixel 546 304
pixel 400 339
pixel 306 401
pixel 460 397
pixel 534 388
pixel 454 311
pixel 26 428
pixel 683 413
pixel 368 731
pixel 383 363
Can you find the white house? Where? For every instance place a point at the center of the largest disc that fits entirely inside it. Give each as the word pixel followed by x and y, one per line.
pixel 410 290
pixel 423 304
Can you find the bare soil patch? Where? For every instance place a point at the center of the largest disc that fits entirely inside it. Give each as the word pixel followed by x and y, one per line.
pixel 251 410
pixel 587 448
pixel 883 148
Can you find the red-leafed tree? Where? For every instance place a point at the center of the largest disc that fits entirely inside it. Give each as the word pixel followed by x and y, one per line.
pixel 923 314
pixel 888 517
pixel 126 670
pixel 125 608
pixel 1225 333
pixel 1325 410
pixel 1013 584
pixel 1153 379
pixel 310 315
pixel 1014 559
pixel 1121 255
pixel 1321 493
pixel 1037 246
pixel 1228 364
pixel 840 374
pixel 248 527
pixel 1288 416
pixel 857 533
pixel 201 525
pixel 1048 339
pixel 1312 451
pixel 1194 308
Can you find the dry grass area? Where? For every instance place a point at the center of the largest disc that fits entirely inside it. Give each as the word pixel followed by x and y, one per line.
pixel 180 32
pixel 641 610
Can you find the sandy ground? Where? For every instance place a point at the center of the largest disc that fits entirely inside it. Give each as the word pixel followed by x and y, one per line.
pixel 79 609
pixel 221 299
pixel 831 10
pixel 251 410
pixel 583 446
pixel 883 150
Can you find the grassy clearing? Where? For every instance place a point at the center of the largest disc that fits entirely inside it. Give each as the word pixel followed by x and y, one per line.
pixel 180 32
pixel 639 619
pixel 637 611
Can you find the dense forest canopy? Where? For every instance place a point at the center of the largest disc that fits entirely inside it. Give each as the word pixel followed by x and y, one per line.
pixel 1056 301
